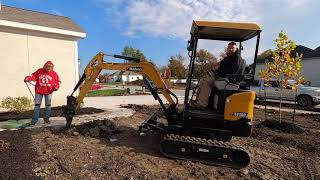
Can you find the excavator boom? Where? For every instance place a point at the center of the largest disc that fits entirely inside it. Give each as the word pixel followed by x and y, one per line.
pixel 97 64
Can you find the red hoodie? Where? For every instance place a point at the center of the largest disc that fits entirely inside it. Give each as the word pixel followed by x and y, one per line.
pixel 46 82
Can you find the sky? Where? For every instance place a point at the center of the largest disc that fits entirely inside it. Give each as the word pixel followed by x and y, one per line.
pixel 161 28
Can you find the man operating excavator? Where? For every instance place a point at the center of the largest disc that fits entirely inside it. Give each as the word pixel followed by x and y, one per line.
pixel 232 64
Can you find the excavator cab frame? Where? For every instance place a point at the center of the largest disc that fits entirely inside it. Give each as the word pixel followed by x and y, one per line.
pixel 188 134
pixel 195 119
pixel 220 31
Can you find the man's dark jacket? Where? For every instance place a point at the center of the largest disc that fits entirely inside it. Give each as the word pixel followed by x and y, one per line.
pixel 233 64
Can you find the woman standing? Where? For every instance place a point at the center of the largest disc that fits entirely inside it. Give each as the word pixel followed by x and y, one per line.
pixel 47 81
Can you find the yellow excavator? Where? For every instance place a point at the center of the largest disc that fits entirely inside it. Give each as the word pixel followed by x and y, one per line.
pixel 190 133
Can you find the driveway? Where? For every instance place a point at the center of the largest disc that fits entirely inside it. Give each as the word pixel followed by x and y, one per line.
pixel 114 102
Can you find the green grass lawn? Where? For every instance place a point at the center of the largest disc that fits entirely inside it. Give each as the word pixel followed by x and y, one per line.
pixel 106 92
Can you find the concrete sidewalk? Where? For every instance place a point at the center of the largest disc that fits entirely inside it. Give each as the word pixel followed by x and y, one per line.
pixel 114 102
pixel 59 122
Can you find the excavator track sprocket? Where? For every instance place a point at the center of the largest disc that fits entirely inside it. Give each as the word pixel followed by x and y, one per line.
pixel 206 151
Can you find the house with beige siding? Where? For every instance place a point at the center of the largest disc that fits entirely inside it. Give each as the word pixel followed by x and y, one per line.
pixel 125 76
pixel 310 64
pixel 27 40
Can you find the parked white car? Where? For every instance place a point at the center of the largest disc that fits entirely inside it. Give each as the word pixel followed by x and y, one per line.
pixel 307 96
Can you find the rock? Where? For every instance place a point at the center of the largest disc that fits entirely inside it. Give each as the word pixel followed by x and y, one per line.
pixel 47 151
pixel 103 128
pixel 107 122
pixel 68 132
pixel 94 132
pixel 244 171
pixel 113 139
pixel 37 169
pixel 99 122
pixel 75 133
pixel 255 175
pixel 83 130
pixel 266 176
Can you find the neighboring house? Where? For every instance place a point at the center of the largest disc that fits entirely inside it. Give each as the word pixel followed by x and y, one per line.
pixel 104 78
pixel 310 64
pixel 126 76
pixel 27 40
pixel 317 51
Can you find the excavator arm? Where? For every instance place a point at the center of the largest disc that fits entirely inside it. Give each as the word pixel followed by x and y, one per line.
pixel 97 64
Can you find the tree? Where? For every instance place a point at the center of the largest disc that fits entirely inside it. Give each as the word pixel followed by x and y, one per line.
pixel 203 57
pixel 176 65
pixel 264 55
pixel 162 68
pixel 132 52
pixel 283 67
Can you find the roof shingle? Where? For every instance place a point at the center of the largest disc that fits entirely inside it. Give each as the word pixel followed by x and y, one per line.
pixel 317 50
pixel 13 14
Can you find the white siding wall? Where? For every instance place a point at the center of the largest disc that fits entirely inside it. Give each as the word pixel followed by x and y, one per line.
pixel 135 77
pixel 124 78
pixel 310 70
pixel 24 52
pixel 114 78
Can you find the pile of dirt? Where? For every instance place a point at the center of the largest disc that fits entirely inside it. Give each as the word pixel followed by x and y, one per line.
pixel 142 108
pixel 55 112
pixel 284 126
pixel 98 128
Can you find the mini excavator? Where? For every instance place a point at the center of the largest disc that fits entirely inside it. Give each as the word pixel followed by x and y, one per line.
pixel 190 133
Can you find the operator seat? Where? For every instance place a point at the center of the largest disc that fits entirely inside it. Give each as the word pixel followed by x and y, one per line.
pixel 224 87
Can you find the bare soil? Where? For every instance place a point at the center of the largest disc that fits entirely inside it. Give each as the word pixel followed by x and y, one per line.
pixel 113 149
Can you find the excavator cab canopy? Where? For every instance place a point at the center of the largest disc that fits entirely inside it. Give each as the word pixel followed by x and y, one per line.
pixel 224 31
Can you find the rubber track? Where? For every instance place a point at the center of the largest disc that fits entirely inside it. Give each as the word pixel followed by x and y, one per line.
pixel 197 142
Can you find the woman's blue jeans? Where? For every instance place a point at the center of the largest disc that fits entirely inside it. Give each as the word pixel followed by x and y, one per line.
pixel 37 102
